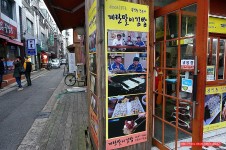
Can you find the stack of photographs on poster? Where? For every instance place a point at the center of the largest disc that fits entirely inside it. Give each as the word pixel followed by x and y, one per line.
pixel 93 87
pixel 127 74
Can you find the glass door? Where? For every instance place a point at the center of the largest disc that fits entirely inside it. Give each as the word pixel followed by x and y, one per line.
pixel 174 94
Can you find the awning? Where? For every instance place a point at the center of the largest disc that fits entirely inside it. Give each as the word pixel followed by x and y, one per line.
pixel 15 42
pixel 67 13
pixel 11 41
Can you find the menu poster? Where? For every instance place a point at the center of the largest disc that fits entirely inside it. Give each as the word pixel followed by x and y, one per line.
pixel 126 30
pixel 215 108
pixel 93 112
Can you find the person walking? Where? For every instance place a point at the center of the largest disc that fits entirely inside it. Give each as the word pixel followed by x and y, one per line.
pixel 17 72
pixel 28 68
pixel 2 70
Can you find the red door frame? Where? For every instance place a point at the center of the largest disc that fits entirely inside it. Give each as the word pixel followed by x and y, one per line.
pixel 201 50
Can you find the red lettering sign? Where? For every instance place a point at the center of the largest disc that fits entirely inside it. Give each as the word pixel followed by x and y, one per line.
pixel 8 29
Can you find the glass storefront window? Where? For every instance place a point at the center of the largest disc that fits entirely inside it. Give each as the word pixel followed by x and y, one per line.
pixel 159 28
pixel 171 54
pixel 162 3
pixel 221 59
pixel 172 25
pixel 188 21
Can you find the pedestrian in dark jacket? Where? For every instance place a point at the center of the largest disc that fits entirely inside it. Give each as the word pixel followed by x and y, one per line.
pixel 28 68
pixel 17 72
pixel 2 70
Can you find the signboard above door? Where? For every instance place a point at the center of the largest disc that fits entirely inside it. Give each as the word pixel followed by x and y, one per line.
pixel 8 29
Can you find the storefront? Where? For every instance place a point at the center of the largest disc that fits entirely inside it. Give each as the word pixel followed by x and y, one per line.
pixel 9 47
pixel 181 88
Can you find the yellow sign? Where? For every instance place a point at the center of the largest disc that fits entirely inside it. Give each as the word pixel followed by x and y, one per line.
pixel 92 17
pixel 217 25
pixel 121 15
pixel 215 108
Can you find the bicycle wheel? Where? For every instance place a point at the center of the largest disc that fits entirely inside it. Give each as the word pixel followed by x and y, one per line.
pixel 70 80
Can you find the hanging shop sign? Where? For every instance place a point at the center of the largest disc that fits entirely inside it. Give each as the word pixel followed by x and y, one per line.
pixel 8 29
pixel 71 62
pixel 31 47
pixel 217 25
pixel 215 108
pixel 126 38
pixel 94 124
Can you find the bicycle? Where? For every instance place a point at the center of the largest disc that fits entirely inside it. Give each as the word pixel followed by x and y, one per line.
pixel 70 79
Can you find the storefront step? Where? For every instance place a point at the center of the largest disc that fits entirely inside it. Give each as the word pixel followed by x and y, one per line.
pixel 7 76
pixel 9 81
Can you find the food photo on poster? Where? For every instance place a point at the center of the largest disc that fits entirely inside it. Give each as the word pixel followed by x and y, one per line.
pixel 127 63
pixel 92 42
pixel 126 84
pixel 212 109
pixel 121 106
pixel 126 125
pixel 223 110
pixel 127 41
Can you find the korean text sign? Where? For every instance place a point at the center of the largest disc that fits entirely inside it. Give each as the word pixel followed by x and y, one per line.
pixel 125 89
pixel 126 16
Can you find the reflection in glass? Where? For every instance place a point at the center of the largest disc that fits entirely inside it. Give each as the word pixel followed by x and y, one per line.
pixel 170 108
pixel 187 49
pixel 185 116
pixel 159 59
pixel 171 82
pixel 171 54
pixel 172 25
pixel 183 137
pixel 169 136
pixel 158 129
pixel 159 28
pixel 188 19
pixel 221 59
pixel 162 3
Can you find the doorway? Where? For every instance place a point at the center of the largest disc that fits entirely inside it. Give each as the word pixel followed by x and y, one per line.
pixel 175 61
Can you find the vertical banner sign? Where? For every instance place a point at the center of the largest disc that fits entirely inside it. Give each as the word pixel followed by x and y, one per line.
pixel 215 108
pixel 31 47
pixel 126 38
pixel 71 62
pixel 93 72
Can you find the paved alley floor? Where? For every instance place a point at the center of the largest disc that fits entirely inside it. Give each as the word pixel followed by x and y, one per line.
pixel 62 123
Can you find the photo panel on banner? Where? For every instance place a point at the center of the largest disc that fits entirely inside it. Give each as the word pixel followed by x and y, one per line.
pixel 121 106
pixel 127 63
pixel 93 86
pixel 126 41
pixel 94 103
pixel 126 84
pixel 92 63
pixel 92 42
pixel 126 126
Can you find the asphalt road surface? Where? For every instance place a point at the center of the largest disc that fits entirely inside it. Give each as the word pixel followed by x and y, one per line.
pixel 19 109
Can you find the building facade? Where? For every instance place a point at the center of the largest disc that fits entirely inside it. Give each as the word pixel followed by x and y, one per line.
pixel 10 32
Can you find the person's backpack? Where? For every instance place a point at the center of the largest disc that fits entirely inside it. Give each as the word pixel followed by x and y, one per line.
pixel 28 67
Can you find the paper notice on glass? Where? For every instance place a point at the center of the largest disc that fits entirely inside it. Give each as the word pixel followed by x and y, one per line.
pixel 187 85
pixel 210 74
